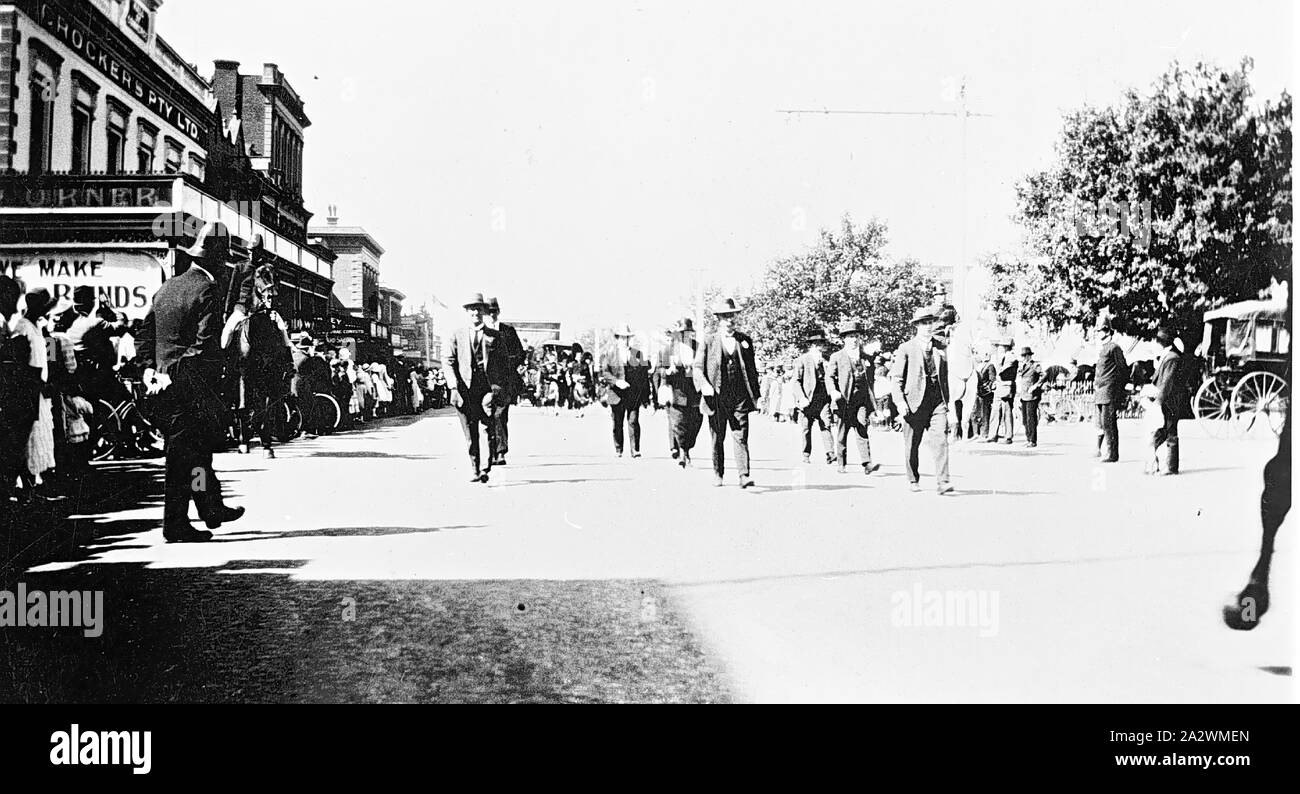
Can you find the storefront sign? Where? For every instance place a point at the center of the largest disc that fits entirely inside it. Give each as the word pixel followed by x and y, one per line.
pixel 125 280
pixel 128 67
pixel 65 193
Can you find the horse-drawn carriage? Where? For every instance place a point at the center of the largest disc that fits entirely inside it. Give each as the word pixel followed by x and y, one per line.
pixel 1246 348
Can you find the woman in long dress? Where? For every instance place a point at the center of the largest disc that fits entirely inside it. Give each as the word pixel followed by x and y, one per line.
pixel 40 444
pixel 383 388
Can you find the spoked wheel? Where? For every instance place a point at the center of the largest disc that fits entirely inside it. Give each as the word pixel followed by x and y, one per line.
pixel 106 434
pixel 1213 408
pixel 290 423
pixel 1260 400
pixel 330 414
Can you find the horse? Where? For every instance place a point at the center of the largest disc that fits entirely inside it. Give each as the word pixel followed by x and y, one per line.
pixel 1245 611
pixel 257 340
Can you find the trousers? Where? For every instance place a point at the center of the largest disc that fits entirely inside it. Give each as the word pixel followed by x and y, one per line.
pixel 734 417
pixel 934 420
pixel 854 420
pixel 1107 432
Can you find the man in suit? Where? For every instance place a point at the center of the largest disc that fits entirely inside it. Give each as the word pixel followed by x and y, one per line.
pixel 1110 378
pixel 626 375
pixel 921 379
pixel 514 354
pixel 180 352
pixel 1029 392
pixel 675 378
pixel 986 376
pixel 814 402
pixel 851 384
pixel 478 371
pixel 727 377
pixel 1174 396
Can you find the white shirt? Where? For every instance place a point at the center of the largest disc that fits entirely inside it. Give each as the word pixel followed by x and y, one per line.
pixel 729 344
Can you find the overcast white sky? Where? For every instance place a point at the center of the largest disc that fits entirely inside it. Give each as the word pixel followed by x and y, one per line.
pixel 581 159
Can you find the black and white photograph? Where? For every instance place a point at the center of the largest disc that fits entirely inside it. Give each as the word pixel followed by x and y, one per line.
pixel 637 352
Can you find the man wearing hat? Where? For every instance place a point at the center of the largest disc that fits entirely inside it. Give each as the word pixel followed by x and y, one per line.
pixel 851 383
pixel 814 402
pixel 91 330
pixel 1029 392
pixel 1109 382
pixel 1173 396
pixel 626 375
pixel 675 381
pixel 478 373
pixel 1005 368
pixel 921 379
pixel 180 351
pixel 514 353
pixel 727 377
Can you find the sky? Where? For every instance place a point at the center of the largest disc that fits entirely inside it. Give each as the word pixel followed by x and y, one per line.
pixel 592 162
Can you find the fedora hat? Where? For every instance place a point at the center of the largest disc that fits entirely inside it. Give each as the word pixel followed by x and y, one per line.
pixel 623 329
pixel 494 305
pixel 816 335
pixel 1103 324
pixel 683 325
pixel 925 314
pixel 852 327
pixel 475 299
pixel 725 307
pixel 1026 351
pixel 39 302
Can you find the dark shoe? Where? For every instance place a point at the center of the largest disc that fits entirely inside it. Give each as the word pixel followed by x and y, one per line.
pixel 1008 442
pixel 676 453
pixel 268 453
pixel 868 468
pixel 483 478
pixel 830 460
pixel 636 455
pixel 225 515
pixel 1247 609
pixel 746 482
pixel 1032 445
pixel 186 534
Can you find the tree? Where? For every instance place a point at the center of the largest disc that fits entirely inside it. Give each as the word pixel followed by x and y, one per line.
pixel 1021 290
pixel 844 276
pixel 1164 206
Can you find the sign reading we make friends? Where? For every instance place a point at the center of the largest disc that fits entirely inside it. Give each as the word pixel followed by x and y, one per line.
pixel 124 280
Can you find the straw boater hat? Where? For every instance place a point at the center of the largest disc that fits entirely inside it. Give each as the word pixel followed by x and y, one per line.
pixel 623 330
pixel 726 307
pixel 925 314
pixel 475 299
pixel 854 327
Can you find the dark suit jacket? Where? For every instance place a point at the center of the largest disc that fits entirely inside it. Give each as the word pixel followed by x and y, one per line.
pixel 708 365
pixel 460 361
pixel 812 377
pixel 514 356
pixel 680 379
pixel 1171 381
pixel 184 325
pixel 1111 376
pixel 636 372
pixel 909 373
pixel 1029 381
pixel 839 377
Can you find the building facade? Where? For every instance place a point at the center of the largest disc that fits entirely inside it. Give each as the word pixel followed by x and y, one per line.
pixel 418 341
pixel 356 305
pixel 114 152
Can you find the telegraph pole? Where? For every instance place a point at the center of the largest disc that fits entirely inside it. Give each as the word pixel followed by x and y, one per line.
pixel 962 114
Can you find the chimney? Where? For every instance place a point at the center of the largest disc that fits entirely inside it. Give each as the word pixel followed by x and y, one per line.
pixel 332 218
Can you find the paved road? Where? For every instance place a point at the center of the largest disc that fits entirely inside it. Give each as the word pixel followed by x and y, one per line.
pixel 576 576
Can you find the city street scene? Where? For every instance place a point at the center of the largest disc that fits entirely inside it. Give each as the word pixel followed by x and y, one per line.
pixel 645 353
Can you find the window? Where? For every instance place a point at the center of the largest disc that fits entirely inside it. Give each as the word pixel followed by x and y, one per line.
pixel 117 120
pixel 174 157
pixel 42 137
pixel 148 145
pixel 83 118
pixel 198 167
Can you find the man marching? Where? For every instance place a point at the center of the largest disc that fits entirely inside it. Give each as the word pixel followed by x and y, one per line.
pixel 728 382
pixel 514 351
pixel 678 395
pixel 850 382
pixel 626 375
pixel 814 402
pixel 921 377
pixel 477 371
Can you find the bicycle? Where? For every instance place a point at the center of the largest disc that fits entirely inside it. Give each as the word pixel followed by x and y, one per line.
pixel 121 430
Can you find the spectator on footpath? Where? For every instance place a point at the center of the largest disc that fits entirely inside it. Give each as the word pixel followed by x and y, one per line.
pixel 1029 391
pixel 1173 394
pixel 20 390
pixel 1110 380
pixel 1005 367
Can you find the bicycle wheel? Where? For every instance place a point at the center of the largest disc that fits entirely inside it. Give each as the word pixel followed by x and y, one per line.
pixel 290 423
pixel 105 432
pixel 147 439
pixel 330 415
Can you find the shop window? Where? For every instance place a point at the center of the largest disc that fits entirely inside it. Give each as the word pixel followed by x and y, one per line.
pixel 117 122
pixel 42 136
pixel 148 146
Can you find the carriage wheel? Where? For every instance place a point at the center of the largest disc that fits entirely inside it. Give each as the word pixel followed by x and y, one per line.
pixel 105 433
pixel 1260 400
pixel 1213 407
